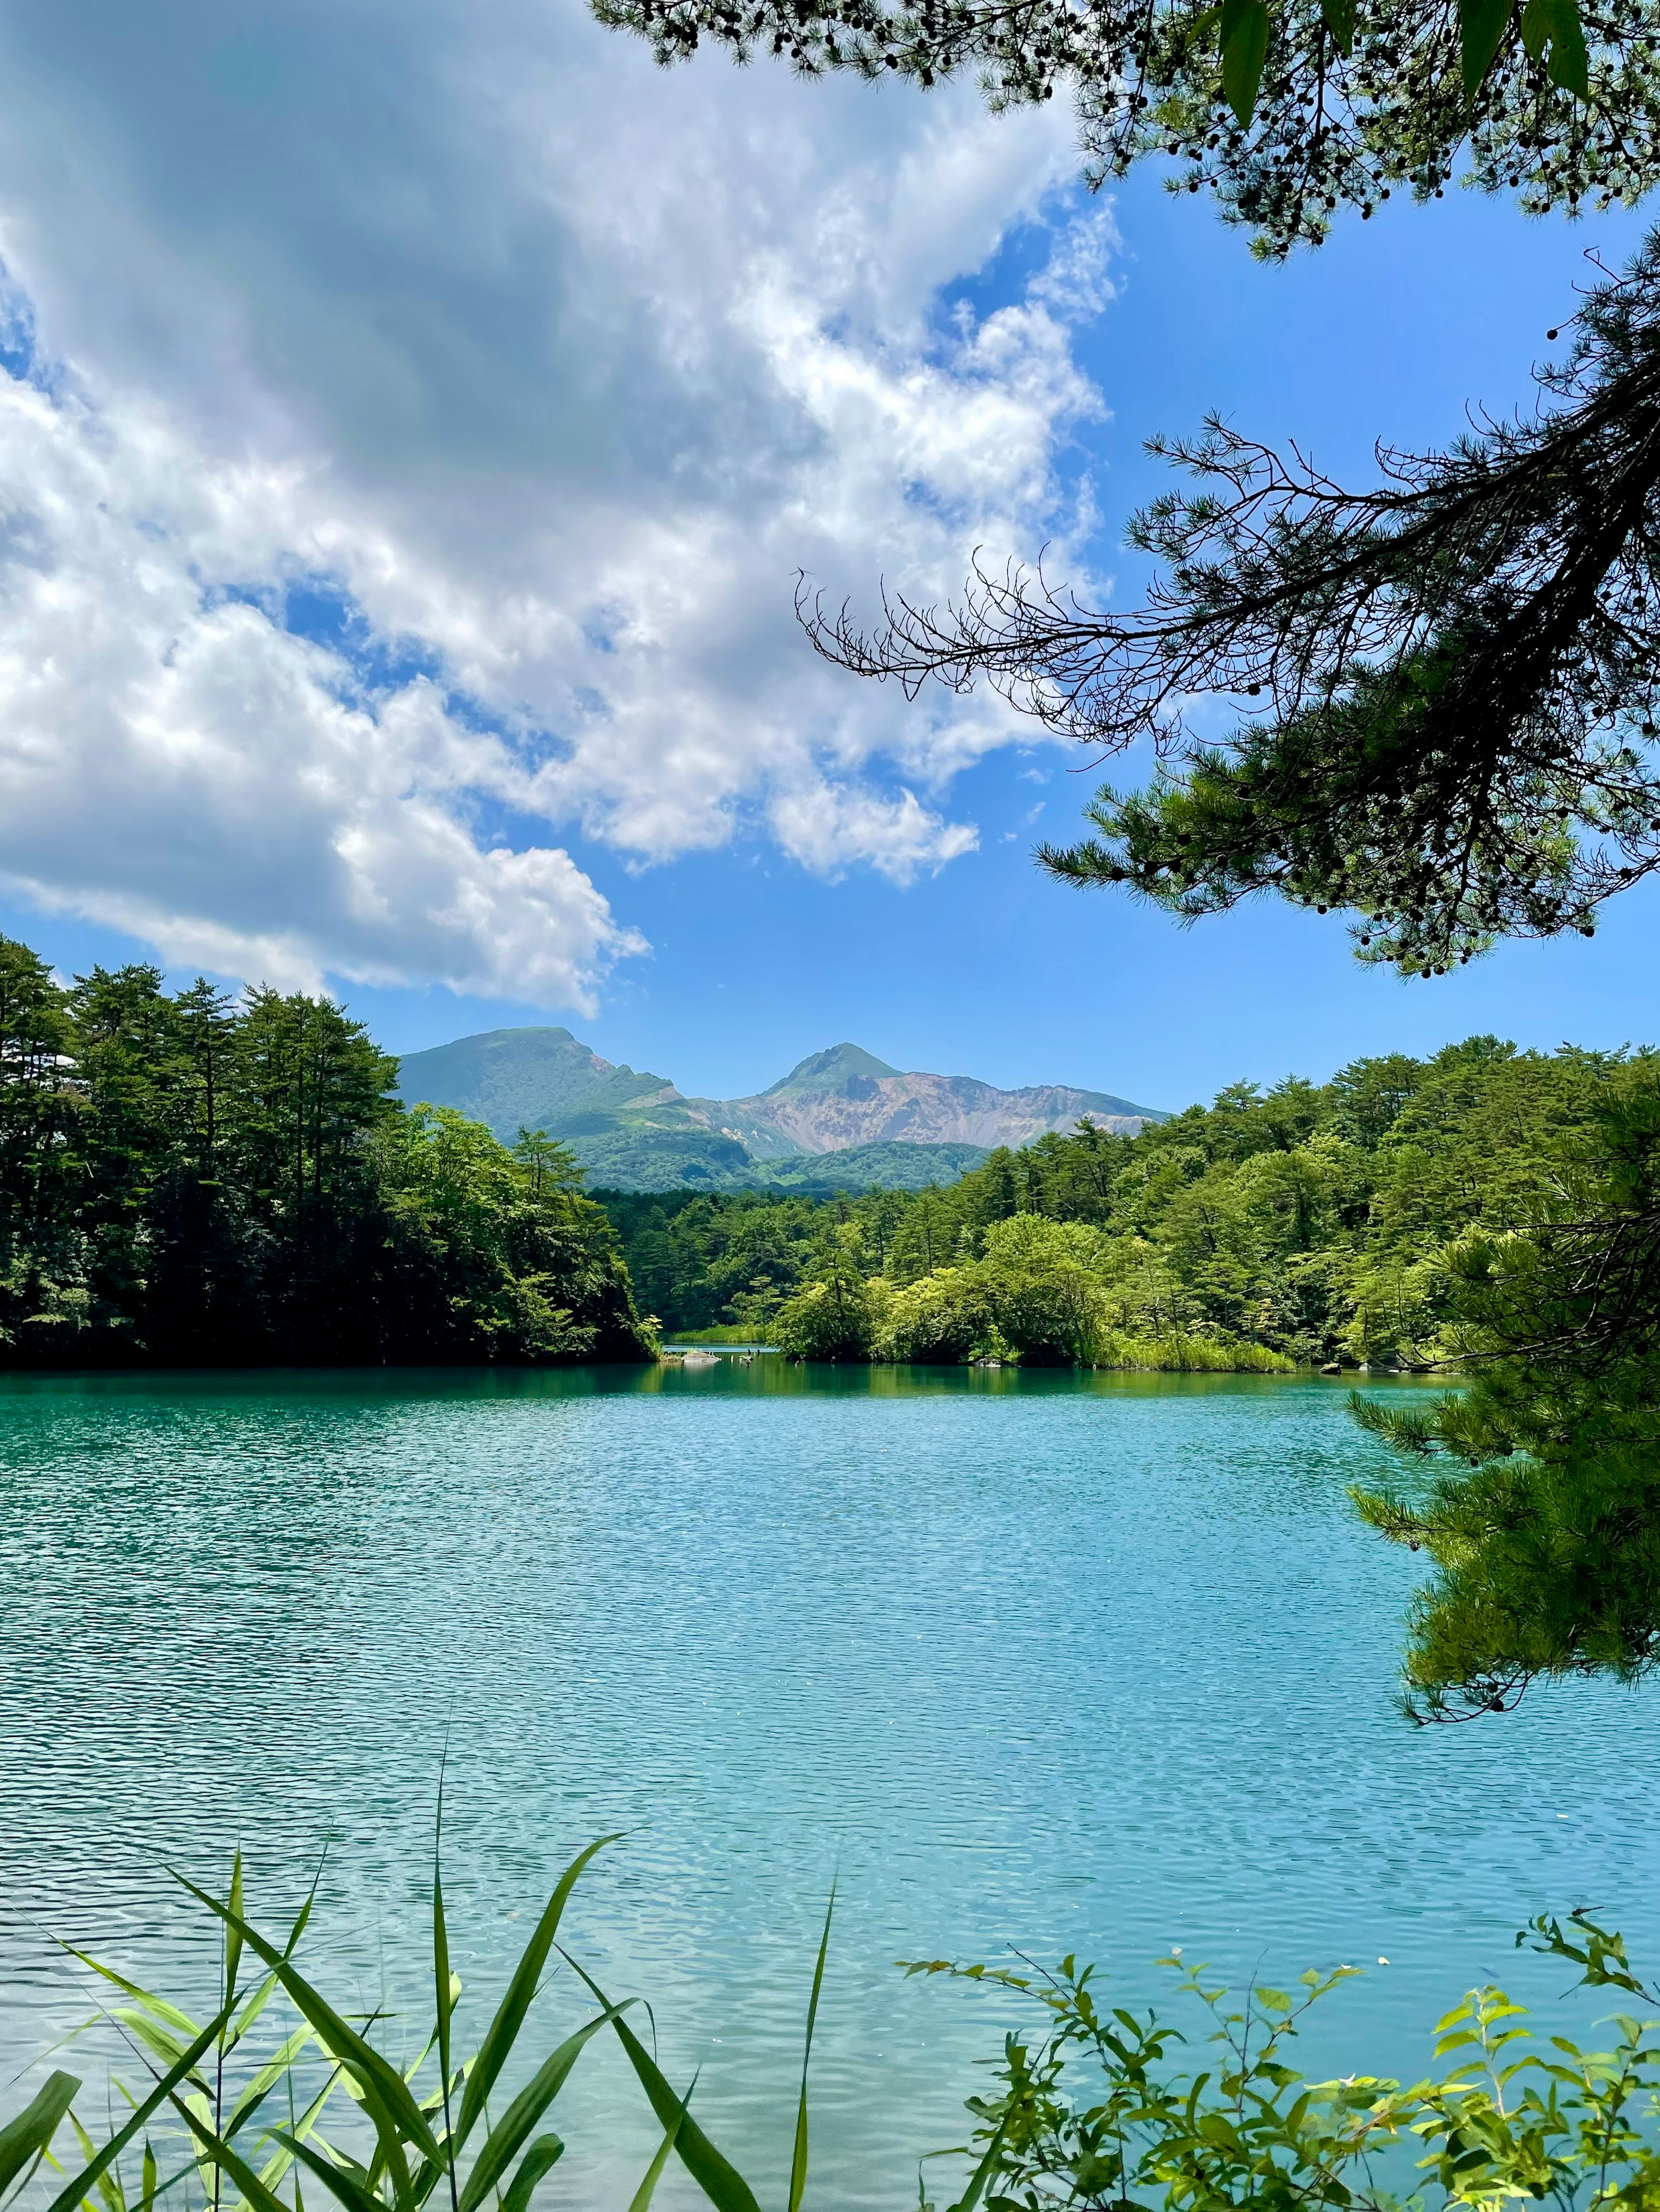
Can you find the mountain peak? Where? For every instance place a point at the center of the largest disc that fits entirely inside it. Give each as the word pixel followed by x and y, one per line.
pixel 824 1070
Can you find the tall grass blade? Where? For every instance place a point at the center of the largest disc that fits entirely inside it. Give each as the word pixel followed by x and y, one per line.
pixel 641 2198
pixel 169 2014
pixel 542 2153
pixel 440 1974
pixel 798 2162
pixel 147 2179
pixel 277 2069
pixel 26 2138
pixel 720 2181
pixel 341 2181
pixel 232 1936
pixel 106 2185
pixel 252 2008
pixel 502 2142
pixel 387 2096
pixel 301 2125
pixel 503 2030
pixel 221 2154
pixel 983 2171
pixel 143 2030
pixel 304 1913
pixel 188 2059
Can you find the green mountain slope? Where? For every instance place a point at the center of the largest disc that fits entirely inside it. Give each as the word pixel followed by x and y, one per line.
pixel 654 1161
pixel 829 1071
pixel 510 1078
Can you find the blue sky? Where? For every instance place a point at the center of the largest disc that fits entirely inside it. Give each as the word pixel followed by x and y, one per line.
pixel 406 481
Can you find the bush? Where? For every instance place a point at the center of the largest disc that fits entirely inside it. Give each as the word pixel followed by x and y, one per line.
pixel 942 1319
pixel 833 1320
pixel 1245 2129
pixel 1043 1284
pixel 1190 1355
pixel 1046 1294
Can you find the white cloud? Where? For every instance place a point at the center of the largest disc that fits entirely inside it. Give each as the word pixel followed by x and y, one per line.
pixel 556 367
pixel 820 824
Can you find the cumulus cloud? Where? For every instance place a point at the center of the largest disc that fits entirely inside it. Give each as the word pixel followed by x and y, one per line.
pixel 441 406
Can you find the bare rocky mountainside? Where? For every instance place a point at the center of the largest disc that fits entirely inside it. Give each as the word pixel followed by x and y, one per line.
pixel 846 1096
pixel 842 1119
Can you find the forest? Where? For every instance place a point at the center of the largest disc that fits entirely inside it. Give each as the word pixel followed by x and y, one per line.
pixel 1309 1221
pixel 189 1179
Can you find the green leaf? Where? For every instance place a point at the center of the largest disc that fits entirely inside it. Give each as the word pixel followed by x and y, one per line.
pixel 1340 21
pixel 984 2171
pixel 1244 50
pixel 233 1938
pixel 798 2162
pixel 542 2153
pixel 26 2136
pixel 641 2201
pixel 261 2198
pixel 397 2118
pixel 503 2030
pixel 1555 24
pixel 67 2198
pixel 1481 26
pixel 441 1958
pixel 502 2142
pixel 720 2181
pixel 340 2181
pixel 169 2014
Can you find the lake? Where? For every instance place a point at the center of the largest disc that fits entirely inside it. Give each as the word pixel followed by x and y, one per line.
pixel 1098 1663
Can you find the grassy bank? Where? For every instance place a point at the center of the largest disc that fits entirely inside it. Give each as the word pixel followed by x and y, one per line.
pixel 727 1335
pixel 1166 1355
pixel 1190 1355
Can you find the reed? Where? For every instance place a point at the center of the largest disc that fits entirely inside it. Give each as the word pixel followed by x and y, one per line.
pixel 236 2119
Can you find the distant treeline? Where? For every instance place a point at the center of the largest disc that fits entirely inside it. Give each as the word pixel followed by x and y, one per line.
pixel 189 1179
pixel 1309 1220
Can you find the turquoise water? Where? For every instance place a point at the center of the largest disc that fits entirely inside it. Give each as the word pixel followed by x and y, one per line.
pixel 1097 1663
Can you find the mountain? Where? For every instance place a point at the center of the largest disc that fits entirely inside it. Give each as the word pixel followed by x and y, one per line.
pixel 524 1077
pixel 846 1096
pixel 841 1118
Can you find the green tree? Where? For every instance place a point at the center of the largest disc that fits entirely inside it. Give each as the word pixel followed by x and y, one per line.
pixel 1457 669
pixel 549 1166
pixel 1541 1506
pixel 1041 1284
pixel 1284 109
pixel 939 1319
pixel 837 1314
pixel 184 1179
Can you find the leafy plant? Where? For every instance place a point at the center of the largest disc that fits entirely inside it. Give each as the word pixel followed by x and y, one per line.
pixel 1504 2122
pixel 1282 108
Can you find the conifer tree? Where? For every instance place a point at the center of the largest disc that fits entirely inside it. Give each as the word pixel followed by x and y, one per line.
pixel 1285 110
